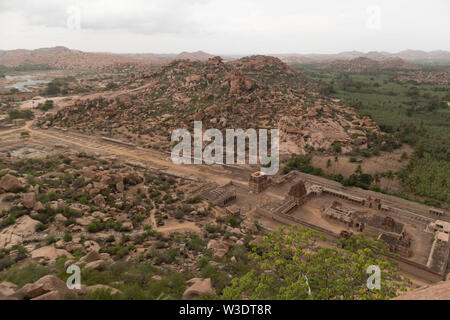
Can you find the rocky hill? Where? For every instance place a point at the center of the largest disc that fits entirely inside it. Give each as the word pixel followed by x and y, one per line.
pixel 194 56
pixel 362 64
pixel 438 77
pixel 252 92
pixel 64 58
pixel 103 214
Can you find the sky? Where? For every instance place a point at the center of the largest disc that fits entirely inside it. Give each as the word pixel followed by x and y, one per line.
pixel 226 26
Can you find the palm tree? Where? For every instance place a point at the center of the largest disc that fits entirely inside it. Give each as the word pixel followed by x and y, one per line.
pixel 336 159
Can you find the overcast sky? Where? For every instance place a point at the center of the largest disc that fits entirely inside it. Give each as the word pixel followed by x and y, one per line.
pixel 226 26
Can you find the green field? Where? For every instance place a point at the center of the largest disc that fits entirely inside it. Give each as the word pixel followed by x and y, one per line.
pixel 413 113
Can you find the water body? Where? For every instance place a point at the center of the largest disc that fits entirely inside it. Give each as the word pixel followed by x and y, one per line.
pixel 23 82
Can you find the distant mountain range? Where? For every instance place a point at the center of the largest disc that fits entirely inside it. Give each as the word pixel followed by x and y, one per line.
pixel 407 55
pixel 65 58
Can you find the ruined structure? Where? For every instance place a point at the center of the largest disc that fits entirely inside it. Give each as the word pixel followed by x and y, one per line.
pixel 233 210
pixel 297 193
pixel 338 213
pixel 440 250
pixel 385 228
pixel 220 196
pixel 437 212
pixel 373 203
pixel 422 245
pixel 258 182
pixel 398 244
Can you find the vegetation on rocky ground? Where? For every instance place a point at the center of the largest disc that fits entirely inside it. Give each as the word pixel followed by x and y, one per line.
pixel 410 112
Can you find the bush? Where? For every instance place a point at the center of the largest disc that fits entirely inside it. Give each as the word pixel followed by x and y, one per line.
pixel 67 237
pixel 20 114
pixel 46 106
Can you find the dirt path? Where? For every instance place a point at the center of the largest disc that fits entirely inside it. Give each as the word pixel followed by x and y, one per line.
pixel 159 160
pixel 186 226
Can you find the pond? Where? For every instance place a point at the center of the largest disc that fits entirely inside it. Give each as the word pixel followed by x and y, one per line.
pixel 23 82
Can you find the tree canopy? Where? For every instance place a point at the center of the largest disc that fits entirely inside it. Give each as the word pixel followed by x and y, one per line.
pixel 289 264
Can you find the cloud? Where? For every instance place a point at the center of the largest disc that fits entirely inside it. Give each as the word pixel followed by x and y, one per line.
pixel 226 26
pixel 137 16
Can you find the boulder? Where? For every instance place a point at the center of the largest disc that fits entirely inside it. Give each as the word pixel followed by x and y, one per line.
pixel 43 286
pixel 68 263
pixel 39 207
pixel 106 256
pixel 198 287
pixel 14 234
pixel 10 183
pixel 49 253
pixel 99 201
pixel 29 200
pixel 90 257
pixel 52 295
pixel 90 245
pixel 220 248
pixel 59 218
pixel 72 246
pixel 128 225
pixel 88 173
pixel 98 214
pixel 84 221
pixel 99 265
pixel 96 287
pixel 249 226
pixel 120 187
pixel 7 288
pixel 79 208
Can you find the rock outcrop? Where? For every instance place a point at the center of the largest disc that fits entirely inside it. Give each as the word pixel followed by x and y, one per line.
pixel 439 291
pixel 198 287
pixel 10 183
pixel 14 234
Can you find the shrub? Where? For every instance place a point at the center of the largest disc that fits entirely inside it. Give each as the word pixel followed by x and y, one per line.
pixel 67 237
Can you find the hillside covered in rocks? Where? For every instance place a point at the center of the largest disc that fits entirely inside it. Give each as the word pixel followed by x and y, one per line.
pixel 252 92
pixel 118 224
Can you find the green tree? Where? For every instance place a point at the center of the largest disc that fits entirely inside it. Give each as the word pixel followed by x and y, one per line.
pixel 290 265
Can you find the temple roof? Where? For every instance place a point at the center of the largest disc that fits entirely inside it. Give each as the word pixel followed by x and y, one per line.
pixel 298 190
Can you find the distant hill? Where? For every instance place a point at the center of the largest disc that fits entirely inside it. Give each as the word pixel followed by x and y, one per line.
pixel 407 55
pixel 65 58
pixel 362 64
pixel 194 56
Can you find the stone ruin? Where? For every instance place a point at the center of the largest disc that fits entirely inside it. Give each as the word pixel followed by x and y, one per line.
pixel 386 228
pixel 258 182
pixel 440 249
pixel 220 196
